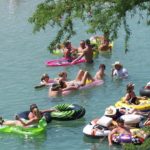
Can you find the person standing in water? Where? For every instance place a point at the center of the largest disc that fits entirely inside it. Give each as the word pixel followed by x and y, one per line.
pixel 87 53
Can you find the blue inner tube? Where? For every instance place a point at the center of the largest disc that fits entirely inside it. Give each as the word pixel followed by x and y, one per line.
pixel 25 114
pixel 68 112
pixel 144 92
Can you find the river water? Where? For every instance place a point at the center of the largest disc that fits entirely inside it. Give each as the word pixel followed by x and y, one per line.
pixel 22 57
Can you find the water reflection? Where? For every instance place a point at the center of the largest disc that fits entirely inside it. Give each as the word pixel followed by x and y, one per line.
pixel 97 143
pixel 13 4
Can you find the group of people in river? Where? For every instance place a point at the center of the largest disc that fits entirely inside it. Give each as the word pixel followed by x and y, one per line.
pixel 60 84
pixel 121 128
pixel 86 48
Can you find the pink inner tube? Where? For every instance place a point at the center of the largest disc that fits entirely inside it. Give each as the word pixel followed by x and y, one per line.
pixel 62 62
pixel 89 85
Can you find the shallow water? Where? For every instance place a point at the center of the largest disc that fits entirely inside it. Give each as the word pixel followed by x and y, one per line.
pixel 22 56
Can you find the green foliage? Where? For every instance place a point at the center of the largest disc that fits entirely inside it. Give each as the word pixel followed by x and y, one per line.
pixel 144 146
pixel 99 15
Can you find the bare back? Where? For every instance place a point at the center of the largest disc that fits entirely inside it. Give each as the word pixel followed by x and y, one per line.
pixel 88 54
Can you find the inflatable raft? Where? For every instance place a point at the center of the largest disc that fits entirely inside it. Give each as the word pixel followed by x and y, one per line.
pixel 62 62
pixel 144 105
pixel 137 136
pixel 98 127
pixel 88 85
pixel 97 43
pixel 33 130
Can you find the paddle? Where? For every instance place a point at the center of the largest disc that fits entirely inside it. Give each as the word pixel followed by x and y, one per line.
pixel 39 86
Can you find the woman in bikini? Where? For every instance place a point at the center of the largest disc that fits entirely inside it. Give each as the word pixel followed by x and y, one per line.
pixel 130 97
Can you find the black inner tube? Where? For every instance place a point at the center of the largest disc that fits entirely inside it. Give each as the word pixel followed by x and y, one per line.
pixel 144 92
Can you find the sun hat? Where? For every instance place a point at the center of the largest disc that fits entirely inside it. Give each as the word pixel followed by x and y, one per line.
pixel 117 63
pixel 110 111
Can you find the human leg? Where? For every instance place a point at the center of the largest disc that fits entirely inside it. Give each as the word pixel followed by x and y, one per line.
pixel 79 75
pixel 86 77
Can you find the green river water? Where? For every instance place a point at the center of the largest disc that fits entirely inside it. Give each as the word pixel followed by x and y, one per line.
pixel 22 57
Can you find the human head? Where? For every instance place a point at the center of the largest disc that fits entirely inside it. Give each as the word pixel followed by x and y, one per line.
pixel 130 87
pixel 32 107
pixel 67 44
pixel 63 75
pixel 62 84
pixel 82 43
pixel 55 87
pixel 110 111
pixel 120 122
pixel 122 110
pixel 102 66
pixel 117 65
pixel 45 77
pixel 87 42
pixel 36 112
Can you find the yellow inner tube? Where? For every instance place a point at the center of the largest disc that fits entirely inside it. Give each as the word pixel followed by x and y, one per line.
pixel 144 105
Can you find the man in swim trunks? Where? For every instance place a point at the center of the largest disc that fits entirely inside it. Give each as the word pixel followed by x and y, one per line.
pixel 87 53
pixel 120 130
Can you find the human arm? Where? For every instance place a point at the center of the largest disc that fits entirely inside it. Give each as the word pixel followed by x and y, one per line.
pixel 78 58
pixel 126 98
pixel 147 122
pixel 110 136
pixel 142 97
pixel 112 72
pixel 27 123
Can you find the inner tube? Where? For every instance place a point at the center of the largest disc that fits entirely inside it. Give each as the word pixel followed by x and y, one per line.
pixel 68 112
pixel 25 114
pixel 124 138
pixel 33 130
pixel 144 92
pixel 144 105
pixel 94 129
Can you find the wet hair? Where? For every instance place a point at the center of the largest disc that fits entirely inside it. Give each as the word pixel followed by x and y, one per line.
pixel 44 76
pixel 62 84
pixel 55 87
pixel 87 41
pixel 32 106
pixel 61 74
pixel 67 43
pixel 82 41
pixel 129 87
pixel 102 66
pixel 119 120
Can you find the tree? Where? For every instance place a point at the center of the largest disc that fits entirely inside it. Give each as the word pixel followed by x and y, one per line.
pixel 99 15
